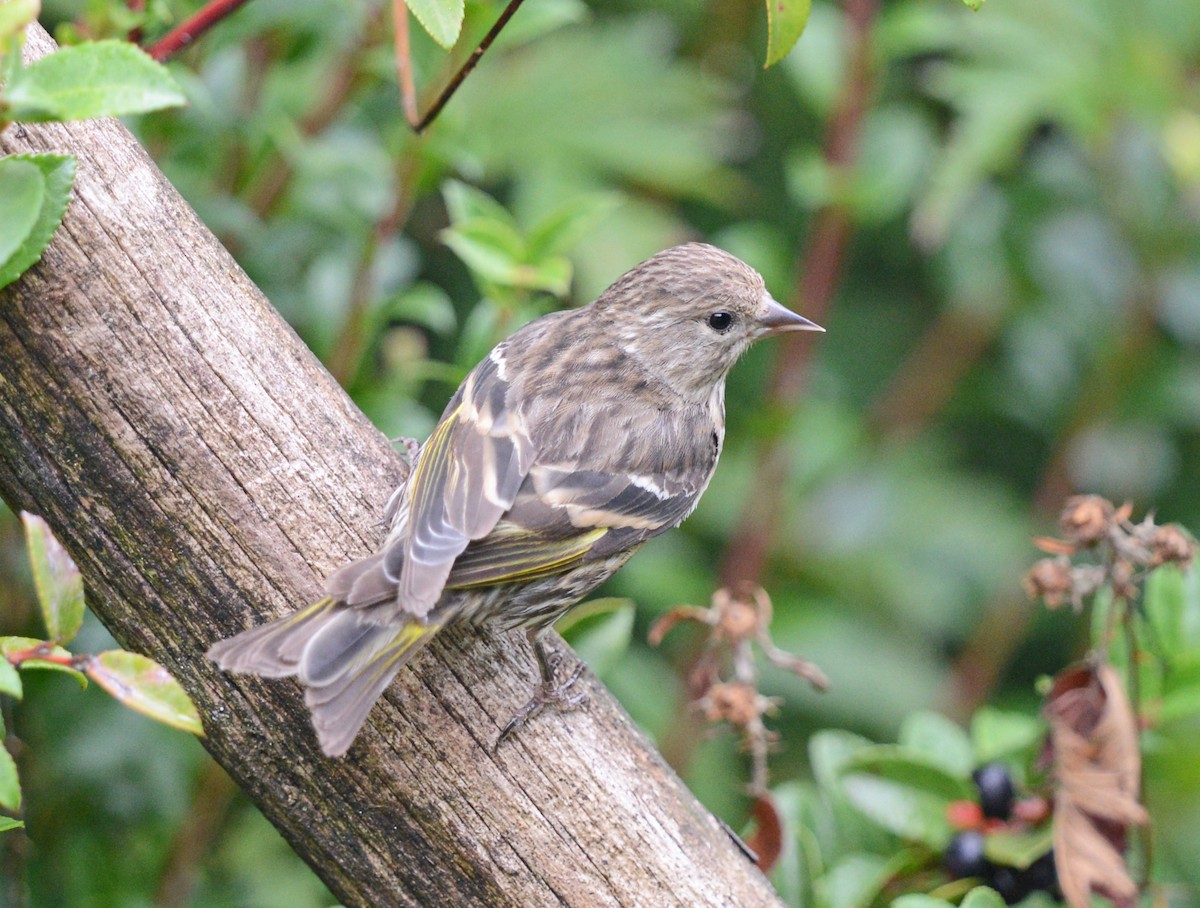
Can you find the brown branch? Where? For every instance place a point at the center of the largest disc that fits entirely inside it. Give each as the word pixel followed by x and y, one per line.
pixel 199 831
pixel 264 193
pixel 185 33
pixel 205 473
pixel 404 67
pixel 346 354
pixel 820 270
pixel 465 70
pixel 931 372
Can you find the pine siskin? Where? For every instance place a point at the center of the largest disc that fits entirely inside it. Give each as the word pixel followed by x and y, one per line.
pixel 584 434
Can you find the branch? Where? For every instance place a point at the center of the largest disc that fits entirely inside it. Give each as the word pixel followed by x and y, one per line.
pixel 186 32
pixel 465 70
pixel 820 271
pixel 205 473
pixel 404 67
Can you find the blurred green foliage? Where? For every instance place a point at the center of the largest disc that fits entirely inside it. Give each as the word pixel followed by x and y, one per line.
pixel 1017 317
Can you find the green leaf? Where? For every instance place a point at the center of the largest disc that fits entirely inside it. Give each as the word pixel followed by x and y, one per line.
pixel 1181 688
pixel 983 896
pixel 600 631
pixel 464 203
pixel 10 785
pixel 424 304
pixel 830 751
pixel 562 229
pixel 909 767
pixel 854 881
pixel 94 79
pixel 919 900
pixel 997 733
pixel 7 823
pixel 907 811
pixel 10 680
pixel 940 740
pixel 1018 849
pixel 1170 605
pixel 973 4
pixel 10 62
pixel 144 685
pixel 441 18
pixel 15 15
pixel 10 645
pixel 58 173
pixel 22 188
pixel 491 248
pixel 552 274
pixel 785 24
pixel 57 579
pixel 805 815
pixel 904 791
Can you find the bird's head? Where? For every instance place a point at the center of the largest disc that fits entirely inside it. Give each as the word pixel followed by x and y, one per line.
pixel 689 312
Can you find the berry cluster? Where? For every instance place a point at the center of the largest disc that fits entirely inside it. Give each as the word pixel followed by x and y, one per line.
pixel 965 855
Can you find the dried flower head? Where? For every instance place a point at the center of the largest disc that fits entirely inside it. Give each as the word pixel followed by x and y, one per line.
pixel 743 615
pixel 1050 579
pixel 1171 544
pixel 736 702
pixel 723 681
pixel 1086 519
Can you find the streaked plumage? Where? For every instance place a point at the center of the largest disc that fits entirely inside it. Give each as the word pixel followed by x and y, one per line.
pixel 584 434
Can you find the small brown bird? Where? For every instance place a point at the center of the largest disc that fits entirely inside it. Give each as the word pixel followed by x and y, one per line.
pixel 578 438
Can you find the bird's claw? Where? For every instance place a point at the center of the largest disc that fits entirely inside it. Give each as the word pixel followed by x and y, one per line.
pixel 547 693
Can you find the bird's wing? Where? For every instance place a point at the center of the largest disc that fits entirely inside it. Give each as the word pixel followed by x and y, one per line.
pixel 467 475
pixel 566 516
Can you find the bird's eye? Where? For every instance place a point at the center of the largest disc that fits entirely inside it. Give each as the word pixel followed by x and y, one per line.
pixel 720 321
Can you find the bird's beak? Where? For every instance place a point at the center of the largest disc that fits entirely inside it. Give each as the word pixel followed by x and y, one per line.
pixel 778 319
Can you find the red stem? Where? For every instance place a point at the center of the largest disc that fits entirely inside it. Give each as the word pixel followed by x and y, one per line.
pixel 184 34
pixel 404 69
pixel 43 652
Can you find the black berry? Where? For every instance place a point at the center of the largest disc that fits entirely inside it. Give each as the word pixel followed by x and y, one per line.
pixel 1010 883
pixel 1014 885
pixel 995 790
pixel 964 855
pixel 1042 875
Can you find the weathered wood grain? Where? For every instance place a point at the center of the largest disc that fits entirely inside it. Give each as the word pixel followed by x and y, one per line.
pixel 206 472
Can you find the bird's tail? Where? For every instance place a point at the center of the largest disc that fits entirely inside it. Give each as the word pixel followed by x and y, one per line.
pixel 343 658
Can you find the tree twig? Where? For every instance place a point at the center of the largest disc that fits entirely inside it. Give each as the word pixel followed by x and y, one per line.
pixel 188 31
pixel 465 70
pixel 404 68
pixel 346 353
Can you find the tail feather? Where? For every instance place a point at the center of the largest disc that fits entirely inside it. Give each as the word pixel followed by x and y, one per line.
pixel 343 657
pixel 361 583
pixel 340 704
pixel 273 650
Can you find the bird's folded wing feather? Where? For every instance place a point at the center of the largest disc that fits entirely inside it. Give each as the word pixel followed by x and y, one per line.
pixel 564 517
pixel 468 474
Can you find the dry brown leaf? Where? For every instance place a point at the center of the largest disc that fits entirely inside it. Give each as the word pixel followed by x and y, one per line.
pixel 767 839
pixel 1097 767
